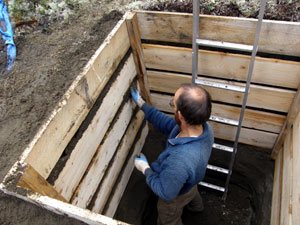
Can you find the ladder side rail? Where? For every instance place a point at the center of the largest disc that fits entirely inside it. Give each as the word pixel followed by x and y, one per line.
pixel 196 19
pixel 253 55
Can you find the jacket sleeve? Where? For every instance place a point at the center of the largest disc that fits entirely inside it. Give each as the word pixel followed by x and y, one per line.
pixel 159 120
pixel 169 181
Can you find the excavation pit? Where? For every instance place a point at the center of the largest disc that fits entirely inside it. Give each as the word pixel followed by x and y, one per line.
pixel 81 159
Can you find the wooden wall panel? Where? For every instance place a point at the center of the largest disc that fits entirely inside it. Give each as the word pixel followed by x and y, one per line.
pixel 253 119
pixel 64 121
pixel 296 172
pixel 119 160
pixel 102 157
pixel 223 65
pixel 177 27
pixel 113 202
pixel 277 190
pixel 286 197
pixel 247 136
pixel 286 188
pixel 259 97
pixel 85 148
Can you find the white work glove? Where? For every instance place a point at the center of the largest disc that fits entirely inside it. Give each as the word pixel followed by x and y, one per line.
pixel 141 163
pixel 137 97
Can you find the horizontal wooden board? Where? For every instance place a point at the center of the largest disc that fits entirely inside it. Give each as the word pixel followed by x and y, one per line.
pixel 85 148
pixel 279 37
pixel 49 143
pixel 253 119
pixel 223 65
pixel 259 97
pixel 115 169
pixel 120 188
pixel 247 136
pixel 103 155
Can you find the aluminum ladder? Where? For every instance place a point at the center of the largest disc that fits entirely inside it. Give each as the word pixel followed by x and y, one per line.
pixel 231 46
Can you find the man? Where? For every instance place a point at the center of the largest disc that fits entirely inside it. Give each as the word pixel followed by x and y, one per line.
pixel 181 166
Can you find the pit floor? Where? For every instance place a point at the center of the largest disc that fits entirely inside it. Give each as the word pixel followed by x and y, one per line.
pixel 248 201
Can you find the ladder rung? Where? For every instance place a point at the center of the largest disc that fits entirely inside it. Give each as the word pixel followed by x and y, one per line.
pixel 220 85
pixel 222 147
pixel 224 120
pixel 225 45
pixel 212 186
pixel 218 169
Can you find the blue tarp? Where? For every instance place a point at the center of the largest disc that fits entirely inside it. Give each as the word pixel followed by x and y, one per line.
pixel 7 35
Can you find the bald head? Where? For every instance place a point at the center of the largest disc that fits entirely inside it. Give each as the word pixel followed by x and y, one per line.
pixel 194 103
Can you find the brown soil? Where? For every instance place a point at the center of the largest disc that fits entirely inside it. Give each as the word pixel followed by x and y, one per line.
pixel 49 57
pixel 275 10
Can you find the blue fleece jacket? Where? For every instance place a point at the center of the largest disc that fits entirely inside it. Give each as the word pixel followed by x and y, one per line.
pixel 183 163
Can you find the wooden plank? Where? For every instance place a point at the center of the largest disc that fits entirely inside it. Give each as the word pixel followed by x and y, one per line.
pixel 115 169
pixel 276 195
pixel 279 37
pixel 259 96
pixel 103 155
pixel 64 121
pixel 253 119
pixel 65 209
pixel 286 198
pixel 117 195
pixel 136 45
pixel 248 136
pixel 296 171
pixel 274 72
pixel 293 112
pixel 32 180
pixel 85 148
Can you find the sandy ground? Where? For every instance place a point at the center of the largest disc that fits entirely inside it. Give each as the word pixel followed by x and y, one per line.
pixel 49 57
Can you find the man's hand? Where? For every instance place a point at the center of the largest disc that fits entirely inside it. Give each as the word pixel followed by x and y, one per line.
pixel 141 163
pixel 137 97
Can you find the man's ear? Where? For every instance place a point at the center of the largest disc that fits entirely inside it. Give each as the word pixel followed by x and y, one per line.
pixel 180 116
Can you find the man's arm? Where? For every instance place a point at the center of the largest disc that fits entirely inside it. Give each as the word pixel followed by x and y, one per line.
pixel 169 181
pixel 159 120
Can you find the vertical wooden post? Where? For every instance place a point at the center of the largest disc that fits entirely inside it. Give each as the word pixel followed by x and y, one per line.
pixel 292 114
pixel 136 45
pixel 296 172
pixel 277 188
pixel 286 197
pixel 32 180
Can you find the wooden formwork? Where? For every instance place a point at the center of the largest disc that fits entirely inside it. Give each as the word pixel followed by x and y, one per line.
pixel 274 82
pixel 107 131
pixel 94 177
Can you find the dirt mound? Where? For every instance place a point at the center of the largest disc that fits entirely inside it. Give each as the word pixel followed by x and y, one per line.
pixel 275 10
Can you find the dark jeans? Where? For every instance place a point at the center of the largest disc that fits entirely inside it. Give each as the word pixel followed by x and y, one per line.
pixel 169 213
